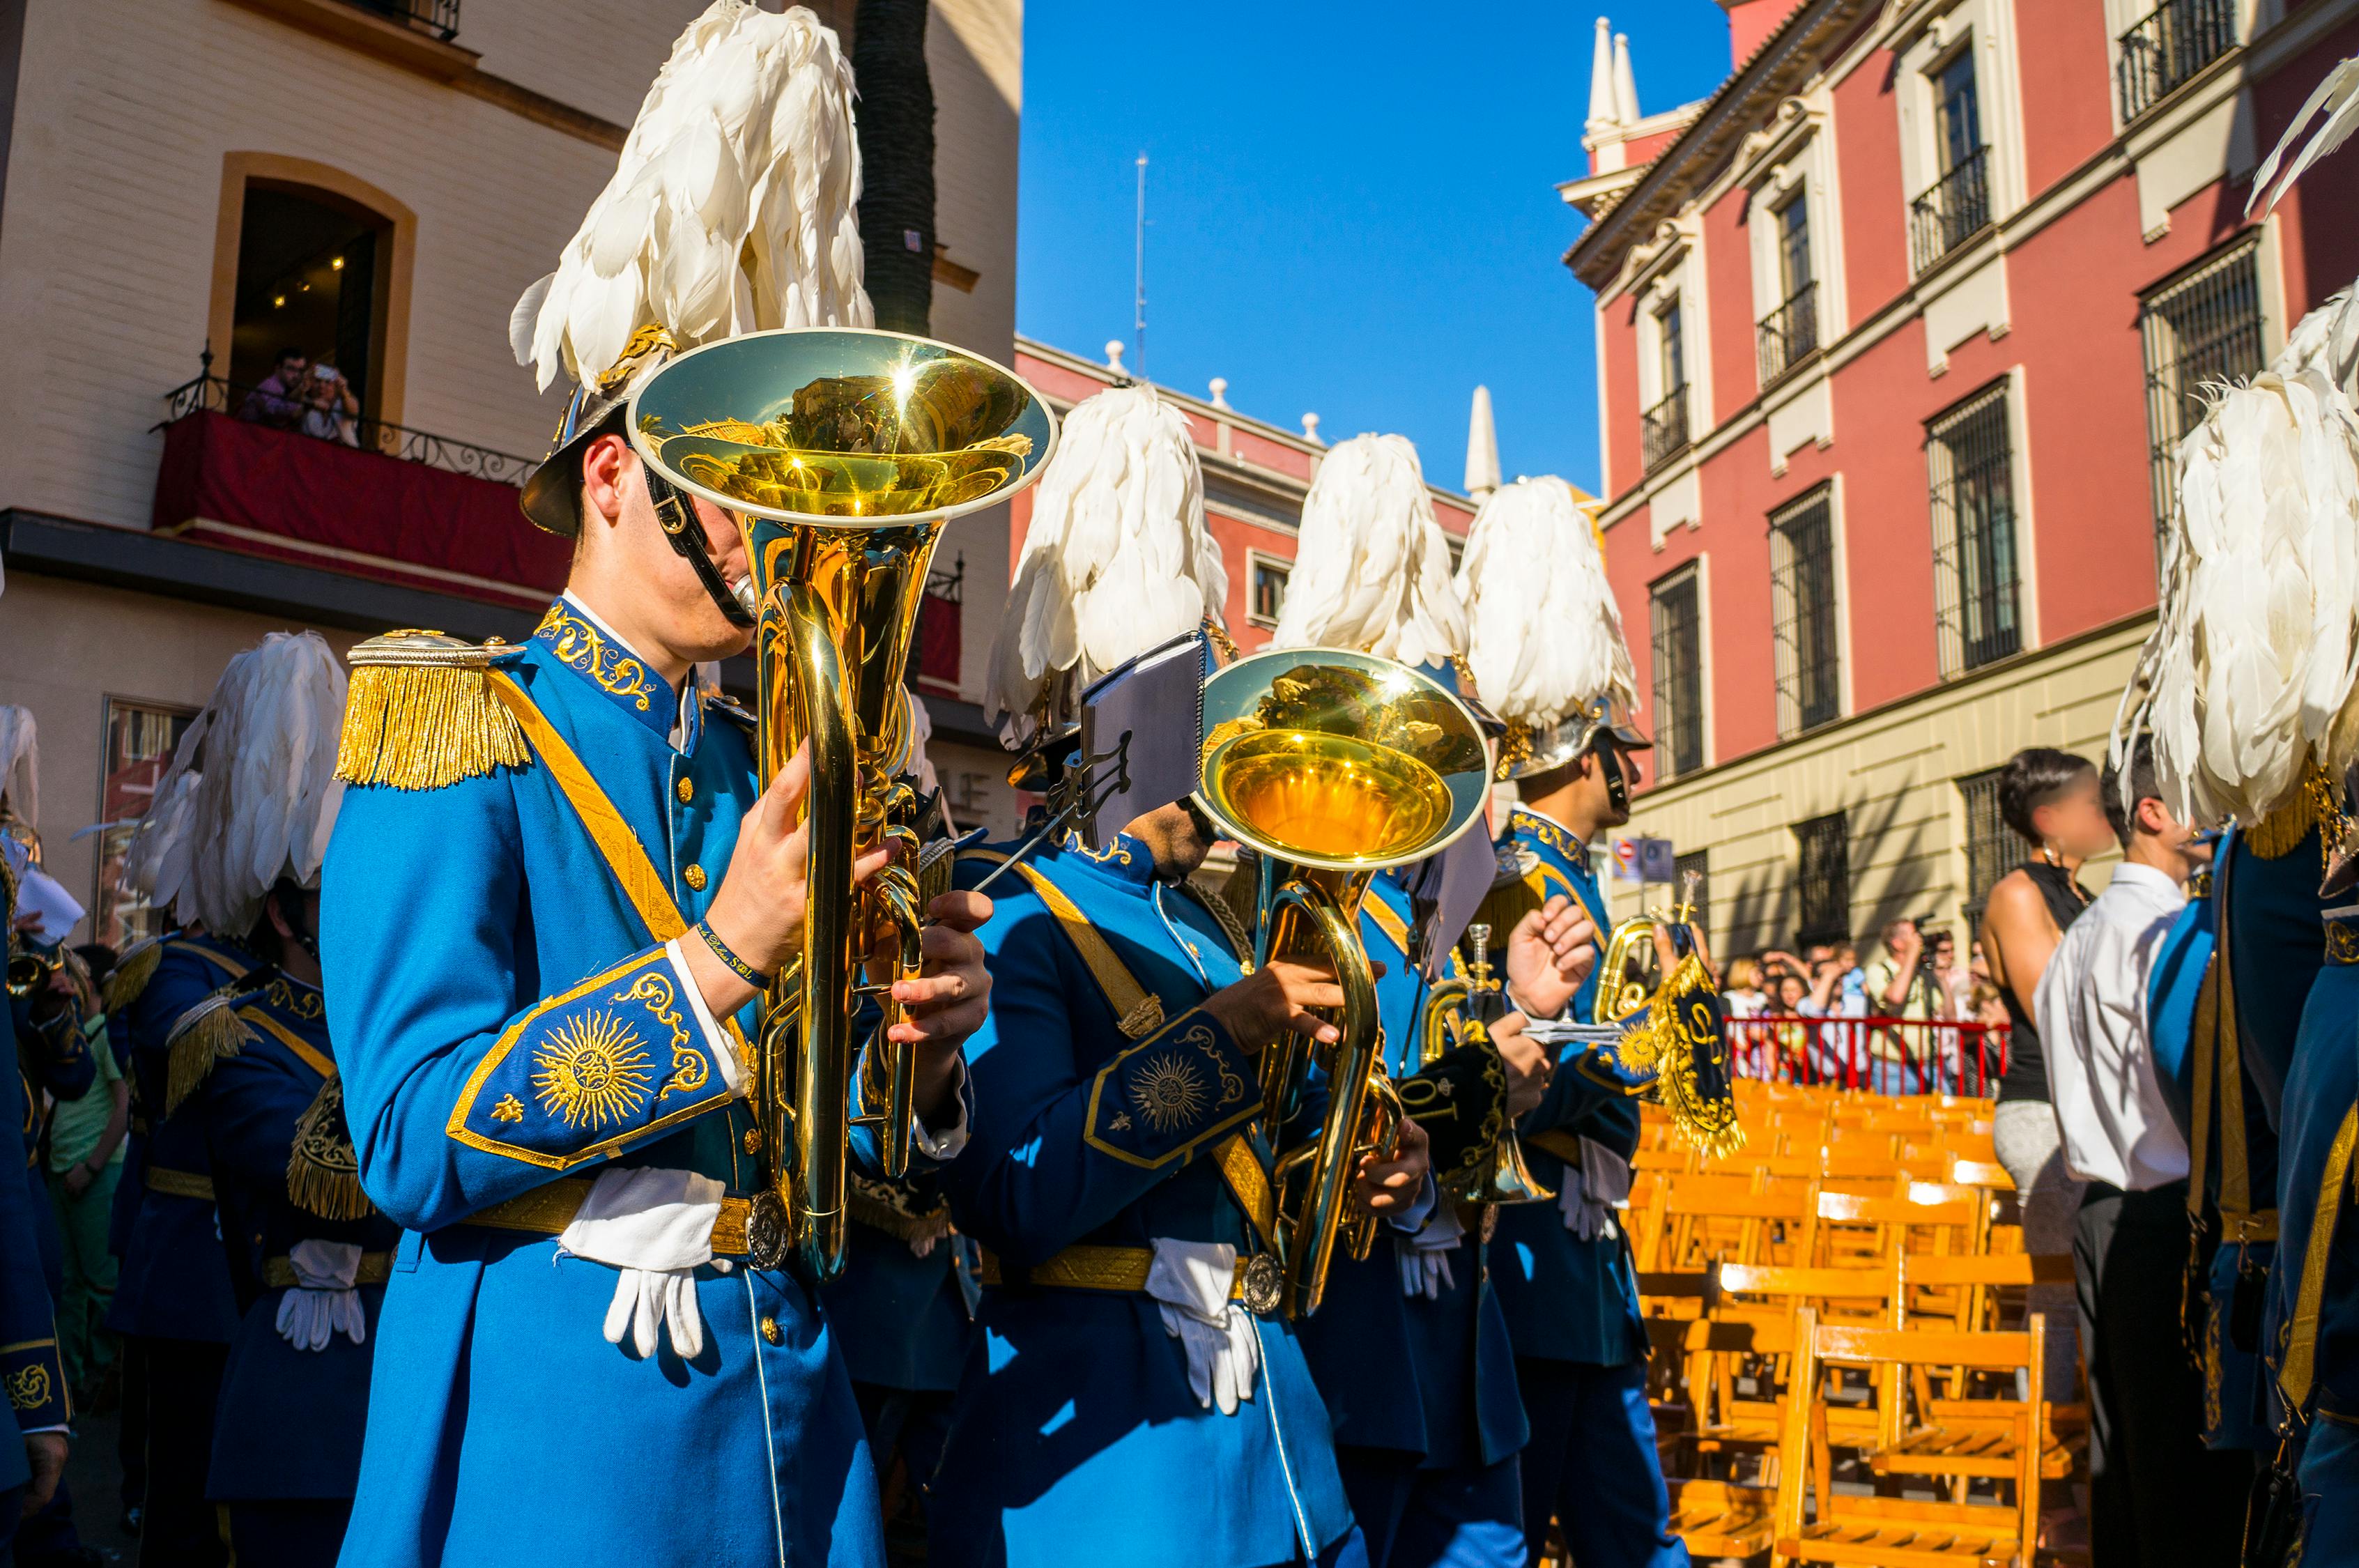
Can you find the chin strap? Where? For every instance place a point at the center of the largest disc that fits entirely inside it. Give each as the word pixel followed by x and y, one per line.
pixel 687 536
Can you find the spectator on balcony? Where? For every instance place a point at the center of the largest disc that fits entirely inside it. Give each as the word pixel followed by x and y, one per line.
pixel 329 406
pixel 279 401
pixel 1899 985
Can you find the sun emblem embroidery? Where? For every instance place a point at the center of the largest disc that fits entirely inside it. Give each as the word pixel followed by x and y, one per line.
pixel 1169 1093
pixel 592 1071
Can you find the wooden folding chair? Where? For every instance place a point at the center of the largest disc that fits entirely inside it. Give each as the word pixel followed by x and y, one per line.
pixel 1895 1532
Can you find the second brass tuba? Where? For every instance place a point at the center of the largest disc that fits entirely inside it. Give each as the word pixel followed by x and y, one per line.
pixel 1333 767
pixel 841 452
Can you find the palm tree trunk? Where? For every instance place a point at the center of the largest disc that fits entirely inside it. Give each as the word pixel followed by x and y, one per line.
pixel 895 119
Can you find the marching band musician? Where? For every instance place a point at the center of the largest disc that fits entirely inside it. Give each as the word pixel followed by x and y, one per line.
pixel 1133 1392
pixel 1428 1452
pixel 554 894
pixel 31 1366
pixel 1563 1271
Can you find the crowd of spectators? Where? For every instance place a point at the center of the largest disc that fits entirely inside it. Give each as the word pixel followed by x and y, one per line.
pixel 306 394
pixel 1915 975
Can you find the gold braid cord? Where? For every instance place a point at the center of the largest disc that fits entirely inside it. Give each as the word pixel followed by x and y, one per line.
pixel 323 1173
pixel 1683 1024
pixel 422 714
pixel 208 1033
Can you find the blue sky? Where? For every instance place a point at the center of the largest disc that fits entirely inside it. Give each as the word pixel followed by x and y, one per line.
pixel 1353 210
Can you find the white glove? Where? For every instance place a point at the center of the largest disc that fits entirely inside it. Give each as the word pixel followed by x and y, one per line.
pixel 655 1227
pixel 1190 1282
pixel 1425 1257
pixel 1593 1190
pixel 322 1299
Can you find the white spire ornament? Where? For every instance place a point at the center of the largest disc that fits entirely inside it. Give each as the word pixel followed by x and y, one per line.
pixel 1545 636
pixel 1372 568
pixel 733 208
pixel 1482 447
pixel 1116 561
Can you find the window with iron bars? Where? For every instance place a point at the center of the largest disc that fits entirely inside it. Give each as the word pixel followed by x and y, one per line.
pixel 2169 45
pixel 1679 675
pixel 1700 862
pixel 2201 328
pixel 1970 462
pixel 440 17
pixel 1802 598
pixel 1822 880
pixel 1663 428
pixel 1993 848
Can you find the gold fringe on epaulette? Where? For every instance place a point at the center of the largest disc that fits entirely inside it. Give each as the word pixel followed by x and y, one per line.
pixel 2278 834
pixel 419 726
pixel 131 974
pixel 210 1033
pixel 323 1173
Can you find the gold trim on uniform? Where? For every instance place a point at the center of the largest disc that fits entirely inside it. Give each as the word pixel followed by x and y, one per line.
pixel 375 1269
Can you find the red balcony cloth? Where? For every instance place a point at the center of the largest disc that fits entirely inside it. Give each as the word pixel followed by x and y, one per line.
pixel 290 496
pixel 937 660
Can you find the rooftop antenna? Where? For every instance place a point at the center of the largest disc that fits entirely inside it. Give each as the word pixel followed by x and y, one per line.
pixel 1138 296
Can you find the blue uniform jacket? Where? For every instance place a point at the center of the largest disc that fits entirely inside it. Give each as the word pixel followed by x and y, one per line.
pixel 30 1368
pixel 1074 1431
pixel 55 1058
pixel 503 1017
pixel 1566 1299
pixel 174 1282
pixel 902 1319
pixel 290 1422
pixel 1449 1391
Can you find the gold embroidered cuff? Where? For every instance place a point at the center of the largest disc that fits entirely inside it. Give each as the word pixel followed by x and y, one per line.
pixel 376 1268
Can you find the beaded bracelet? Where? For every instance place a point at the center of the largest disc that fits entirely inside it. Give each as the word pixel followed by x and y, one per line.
pixel 736 965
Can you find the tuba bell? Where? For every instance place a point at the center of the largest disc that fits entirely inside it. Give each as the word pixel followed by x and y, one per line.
pixel 841 452
pixel 1333 767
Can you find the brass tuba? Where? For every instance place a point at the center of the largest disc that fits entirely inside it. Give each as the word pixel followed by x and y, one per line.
pixel 841 452
pixel 1333 767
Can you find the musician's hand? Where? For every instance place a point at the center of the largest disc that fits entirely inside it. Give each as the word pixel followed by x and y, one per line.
pixel 1276 999
pixel 45 1454
pixel 758 911
pixel 1549 953
pixel 1390 1186
pixel 1529 1066
pixel 947 1002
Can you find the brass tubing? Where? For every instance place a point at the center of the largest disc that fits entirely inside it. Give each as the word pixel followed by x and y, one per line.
pixel 821 1107
pixel 1354 1062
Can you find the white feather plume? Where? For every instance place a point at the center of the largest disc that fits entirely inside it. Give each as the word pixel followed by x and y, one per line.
pixel 1116 560
pixel 251 795
pixel 20 764
pixel 2249 674
pixel 2335 103
pixel 1544 635
pixel 2326 341
pixel 734 207
pixel 1372 567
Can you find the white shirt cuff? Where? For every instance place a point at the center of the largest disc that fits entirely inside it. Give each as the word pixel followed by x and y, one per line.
pixel 722 1043
pixel 943 1147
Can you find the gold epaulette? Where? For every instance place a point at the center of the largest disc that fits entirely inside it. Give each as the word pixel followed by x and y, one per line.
pixel 131 974
pixel 207 1034
pixel 323 1173
pixel 2316 802
pixel 422 712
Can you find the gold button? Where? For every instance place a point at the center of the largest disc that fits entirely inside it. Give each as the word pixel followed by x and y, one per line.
pixel 753 1140
pixel 687 790
pixel 771 1331
pixel 694 875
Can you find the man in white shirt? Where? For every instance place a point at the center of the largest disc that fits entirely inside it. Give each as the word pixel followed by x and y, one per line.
pixel 2157 1495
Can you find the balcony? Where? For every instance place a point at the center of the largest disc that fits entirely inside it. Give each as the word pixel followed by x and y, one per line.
pixel 936 649
pixel 1954 210
pixel 1663 428
pixel 377 500
pixel 2169 46
pixel 435 18
pixel 1788 334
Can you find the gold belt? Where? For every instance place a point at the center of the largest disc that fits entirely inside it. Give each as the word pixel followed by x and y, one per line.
pixel 548 1210
pixel 180 1183
pixel 2261 1224
pixel 376 1268
pixel 1124 1269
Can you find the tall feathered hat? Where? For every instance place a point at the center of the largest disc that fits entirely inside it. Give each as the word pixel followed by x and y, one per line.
pixel 1372 569
pixel 21 767
pixel 733 208
pixel 1116 561
pixel 1544 635
pixel 251 795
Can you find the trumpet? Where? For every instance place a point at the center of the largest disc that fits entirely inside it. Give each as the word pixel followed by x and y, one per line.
pixel 29 971
pixel 1632 970
pixel 840 454
pixel 1333 767
pixel 1451 1006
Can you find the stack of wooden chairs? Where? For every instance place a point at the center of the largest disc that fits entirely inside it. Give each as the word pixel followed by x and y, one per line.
pixel 1843 1370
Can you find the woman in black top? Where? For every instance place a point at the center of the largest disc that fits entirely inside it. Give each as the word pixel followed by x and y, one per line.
pixel 2051 798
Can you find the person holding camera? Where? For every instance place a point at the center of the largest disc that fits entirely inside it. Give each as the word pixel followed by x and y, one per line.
pixel 329 405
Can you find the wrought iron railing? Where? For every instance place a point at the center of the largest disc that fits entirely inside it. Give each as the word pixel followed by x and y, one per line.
pixel 1955 210
pixel 1788 334
pixel 2169 45
pixel 438 17
pixel 215 393
pixel 1663 428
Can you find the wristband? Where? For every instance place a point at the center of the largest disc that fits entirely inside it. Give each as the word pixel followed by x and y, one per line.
pixel 736 965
